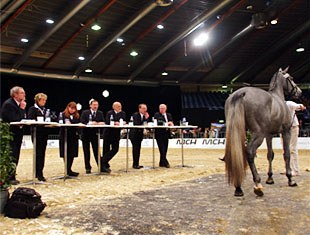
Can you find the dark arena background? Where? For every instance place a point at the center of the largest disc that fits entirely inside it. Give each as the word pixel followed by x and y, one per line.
pixel 188 54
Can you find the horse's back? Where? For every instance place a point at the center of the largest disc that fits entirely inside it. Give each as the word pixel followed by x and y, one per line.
pixel 263 111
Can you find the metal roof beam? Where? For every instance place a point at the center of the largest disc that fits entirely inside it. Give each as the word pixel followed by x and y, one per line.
pixel 126 26
pixel 49 33
pixel 76 33
pixel 179 37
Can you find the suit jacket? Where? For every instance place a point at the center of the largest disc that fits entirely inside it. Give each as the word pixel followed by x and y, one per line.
pixel 160 133
pixel 72 138
pixel 87 132
pixel 113 133
pixel 137 134
pixel 11 112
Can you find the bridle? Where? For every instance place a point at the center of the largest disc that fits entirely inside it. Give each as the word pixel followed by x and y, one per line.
pixel 294 87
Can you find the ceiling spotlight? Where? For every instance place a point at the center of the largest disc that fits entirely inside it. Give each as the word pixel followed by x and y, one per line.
pixel 218 17
pixel 275 21
pixel 88 70
pixel 81 58
pixel 224 86
pixel 24 40
pixel 133 53
pixel 49 21
pixel 201 39
pixel 160 26
pixel 105 93
pixel 78 106
pixel 119 40
pixel 96 27
pixel 300 49
pixel 164 73
pixel 249 7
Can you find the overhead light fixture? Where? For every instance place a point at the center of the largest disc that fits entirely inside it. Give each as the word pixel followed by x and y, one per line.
pixel 275 21
pixel 300 49
pixel 105 93
pixel 249 7
pixel 164 73
pixel 224 86
pixel 160 26
pixel 81 58
pixel 134 53
pixel 78 106
pixel 49 21
pixel 24 40
pixel 96 27
pixel 88 70
pixel 119 40
pixel 201 39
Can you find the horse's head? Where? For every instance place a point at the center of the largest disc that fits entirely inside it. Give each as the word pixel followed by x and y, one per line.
pixel 286 80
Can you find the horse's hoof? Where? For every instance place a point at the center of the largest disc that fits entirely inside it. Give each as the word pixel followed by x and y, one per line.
pixel 269 181
pixel 258 191
pixel 238 193
pixel 292 184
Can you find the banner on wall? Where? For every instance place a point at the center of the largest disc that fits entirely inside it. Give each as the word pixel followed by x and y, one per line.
pixel 201 143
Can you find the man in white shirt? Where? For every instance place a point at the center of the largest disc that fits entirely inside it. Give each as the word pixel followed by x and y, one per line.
pixel 294 136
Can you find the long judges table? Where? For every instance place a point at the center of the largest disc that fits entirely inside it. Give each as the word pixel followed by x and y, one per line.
pixel 34 124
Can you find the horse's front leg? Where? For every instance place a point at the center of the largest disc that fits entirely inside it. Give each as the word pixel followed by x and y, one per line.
pixel 270 156
pixel 255 142
pixel 287 157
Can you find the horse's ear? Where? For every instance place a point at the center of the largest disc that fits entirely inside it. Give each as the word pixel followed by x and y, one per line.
pixel 285 70
pixel 280 69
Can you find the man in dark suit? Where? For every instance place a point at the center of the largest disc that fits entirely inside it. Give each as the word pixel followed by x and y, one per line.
pixel 111 136
pixel 162 135
pixel 92 116
pixel 136 135
pixel 13 110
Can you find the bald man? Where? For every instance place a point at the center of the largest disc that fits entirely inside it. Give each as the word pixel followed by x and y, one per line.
pixel 111 136
pixel 162 135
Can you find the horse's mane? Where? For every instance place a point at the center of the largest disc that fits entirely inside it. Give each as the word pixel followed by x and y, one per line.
pixel 273 82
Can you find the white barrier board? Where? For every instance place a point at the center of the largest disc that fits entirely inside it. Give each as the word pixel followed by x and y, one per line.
pixel 200 143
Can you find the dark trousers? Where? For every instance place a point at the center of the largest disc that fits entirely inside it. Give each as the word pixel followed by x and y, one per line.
pixel 93 140
pixel 110 149
pixel 69 163
pixel 162 142
pixel 40 153
pixel 15 145
pixel 136 148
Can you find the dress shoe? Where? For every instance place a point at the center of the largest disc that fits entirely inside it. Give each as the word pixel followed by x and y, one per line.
pixel 88 171
pixel 165 165
pixel 72 173
pixel 106 170
pixel 14 182
pixel 137 167
pixel 41 178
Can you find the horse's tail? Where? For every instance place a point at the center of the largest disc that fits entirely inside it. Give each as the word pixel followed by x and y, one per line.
pixel 235 157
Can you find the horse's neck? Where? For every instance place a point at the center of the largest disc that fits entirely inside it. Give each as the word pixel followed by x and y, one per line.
pixel 277 91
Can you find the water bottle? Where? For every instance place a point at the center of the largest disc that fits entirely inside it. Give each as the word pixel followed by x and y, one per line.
pixel 121 122
pixel 184 121
pixel 90 119
pixel 60 118
pixel 154 121
pixel 47 116
pixel 131 121
pixel 111 120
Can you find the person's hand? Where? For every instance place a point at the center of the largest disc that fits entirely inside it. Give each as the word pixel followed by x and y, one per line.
pixel 146 115
pixel 302 107
pixel 170 124
pixel 23 104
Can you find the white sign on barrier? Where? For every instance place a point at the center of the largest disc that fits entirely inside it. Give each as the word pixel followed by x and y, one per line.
pixel 202 143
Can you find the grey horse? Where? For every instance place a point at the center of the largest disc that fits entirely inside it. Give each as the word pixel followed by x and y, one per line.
pixel 263 114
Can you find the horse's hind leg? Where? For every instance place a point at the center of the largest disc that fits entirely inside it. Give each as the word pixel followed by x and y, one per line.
pixel 286 155
pixel 270 156
pixel 255 142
